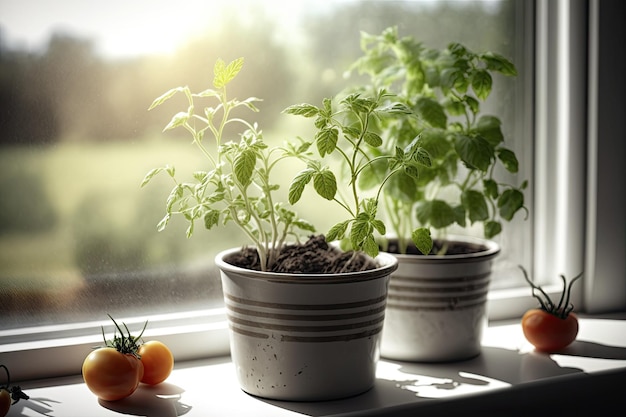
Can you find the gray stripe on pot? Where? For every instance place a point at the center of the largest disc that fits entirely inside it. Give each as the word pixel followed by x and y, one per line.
pixel 439 280
pixel 339 338
pixel 249 333
pixel 303 329
pixel 306 317
pixel 441 307
pixel 327 322
pixel 337 306
pixel 405 288
pixel 469 297
pixel 311 339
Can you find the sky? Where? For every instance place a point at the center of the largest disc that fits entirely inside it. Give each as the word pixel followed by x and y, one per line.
pixel 126 28
pixel 122 27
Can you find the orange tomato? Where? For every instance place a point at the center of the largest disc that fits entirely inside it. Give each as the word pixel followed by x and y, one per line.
pixel 5 402
pixel 548 332
pixel 110 374
pixel 157 360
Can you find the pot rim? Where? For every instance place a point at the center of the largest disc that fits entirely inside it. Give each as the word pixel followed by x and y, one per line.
pixel 387 262
pixel 493 249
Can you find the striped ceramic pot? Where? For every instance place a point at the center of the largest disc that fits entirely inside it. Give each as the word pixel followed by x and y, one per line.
pixel 305 337
pixel 436 307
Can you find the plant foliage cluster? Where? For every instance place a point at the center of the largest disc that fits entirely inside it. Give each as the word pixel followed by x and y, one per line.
pixel 444 90
pixel 238 186
pixel 412 141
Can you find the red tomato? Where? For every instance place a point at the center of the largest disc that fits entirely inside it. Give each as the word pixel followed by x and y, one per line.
pixel 547 332
pixel 5 402
pixel 112 375
pixel 157 360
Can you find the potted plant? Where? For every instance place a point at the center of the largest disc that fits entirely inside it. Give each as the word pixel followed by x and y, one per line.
pixel 305 317
pixel 432 167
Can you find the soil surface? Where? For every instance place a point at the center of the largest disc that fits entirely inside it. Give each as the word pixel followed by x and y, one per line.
pixel 314 256
pixel 452 248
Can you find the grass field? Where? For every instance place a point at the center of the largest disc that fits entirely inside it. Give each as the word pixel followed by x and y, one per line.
pixel 102 222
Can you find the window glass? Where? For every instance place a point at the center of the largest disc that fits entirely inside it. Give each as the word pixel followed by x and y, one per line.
pixel 78 235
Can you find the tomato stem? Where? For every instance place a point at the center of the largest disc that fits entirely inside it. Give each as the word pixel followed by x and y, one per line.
pixel 546 302
pixel 8 378
pixel 126 343
pixel 16 392
pixel 564 307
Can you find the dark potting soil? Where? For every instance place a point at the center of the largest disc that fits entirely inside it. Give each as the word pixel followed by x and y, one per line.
pixel 452 248
pixel 314 256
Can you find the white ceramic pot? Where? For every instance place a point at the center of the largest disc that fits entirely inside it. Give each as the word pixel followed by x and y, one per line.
pixel 302 337
pixel 436 307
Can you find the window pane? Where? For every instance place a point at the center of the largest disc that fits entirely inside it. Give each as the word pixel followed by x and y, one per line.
pixel 78 235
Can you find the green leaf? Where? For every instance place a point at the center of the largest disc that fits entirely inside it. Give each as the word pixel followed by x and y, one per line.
pixel 351 132
pixel 325 183
pixel 211 218
pixel 175 195
pixel 422 239
pixel 360 230
pixel 298 183
pixel 455 107
pixel 510 202
pixel 379 226
pixel 163 223
pixel 338 231
pixel 436 213
pixel 411 171
pixel 150 175
pixel 164 97
pixel 249 103
pixel 497 62
pixel 404 188
pixel 304 109
pixel 370 247
pixel 450 77
pixel 489 127
pixel 209 92
pixel 304 225
pixel 179 119
pixel 244 166
pixel 223 74
pixel 460 215
pixel 508 159
pixel 481 83
pixel 397 108
pixel 422 157
pixel 491 188
pixel 372 175
pixel 475 151
pixel 492 229
pixel 435 142
pixel 431 111
pixel 326 141
pixel 476 205
pixel 372 139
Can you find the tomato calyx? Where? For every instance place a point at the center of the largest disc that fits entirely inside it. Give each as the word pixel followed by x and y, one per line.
pixel 564 307
pixel 15 391
pixel 124 343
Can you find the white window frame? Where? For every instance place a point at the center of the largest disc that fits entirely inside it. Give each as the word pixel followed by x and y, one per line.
pixel 569 233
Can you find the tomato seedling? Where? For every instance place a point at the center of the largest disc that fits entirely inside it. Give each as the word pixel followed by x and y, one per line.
pixel 551 327
pixel 9 395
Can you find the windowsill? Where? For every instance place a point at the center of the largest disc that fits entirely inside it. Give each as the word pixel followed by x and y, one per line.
pixel 507 377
